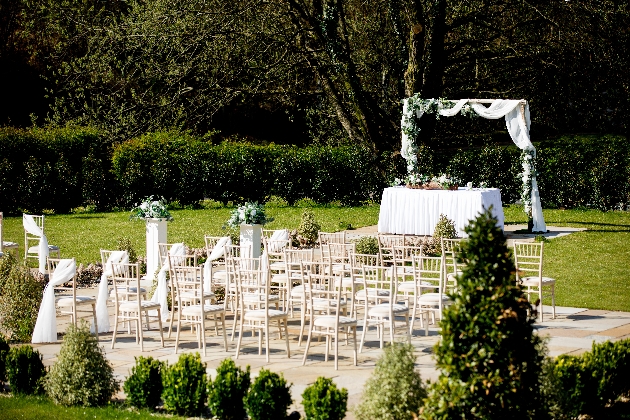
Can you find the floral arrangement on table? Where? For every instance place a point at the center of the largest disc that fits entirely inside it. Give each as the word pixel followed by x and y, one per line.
pixel 248 214
pixel 151 208
pixel 425 182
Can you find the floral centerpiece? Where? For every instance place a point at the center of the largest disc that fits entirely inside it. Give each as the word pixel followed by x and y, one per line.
pixel 248 214
pixel 151 208
pixel 413 180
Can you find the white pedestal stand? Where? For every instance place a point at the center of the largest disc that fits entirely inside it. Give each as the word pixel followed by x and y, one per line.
pixel 156 233
pixel 250 240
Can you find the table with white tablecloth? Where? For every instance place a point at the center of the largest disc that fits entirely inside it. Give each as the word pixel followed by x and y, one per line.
pixel 416 211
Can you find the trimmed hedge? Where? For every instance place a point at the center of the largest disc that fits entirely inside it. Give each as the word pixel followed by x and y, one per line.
pixel 62 168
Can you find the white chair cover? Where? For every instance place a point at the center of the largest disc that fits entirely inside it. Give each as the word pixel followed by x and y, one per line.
pixel 31 227
pixel 102 316
pixel 275 242
pixel 46 326
pixel 161 291
pixel 217 252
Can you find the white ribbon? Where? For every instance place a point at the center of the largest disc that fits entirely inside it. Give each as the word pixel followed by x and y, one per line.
pixel 46 326
pixel 31 227
pixel 102 316
pixel 217 252
pixel 161 291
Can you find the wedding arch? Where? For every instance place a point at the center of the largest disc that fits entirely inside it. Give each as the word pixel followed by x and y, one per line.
pixel 516 113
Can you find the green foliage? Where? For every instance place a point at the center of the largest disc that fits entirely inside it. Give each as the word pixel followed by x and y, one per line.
pixel 324 401
pixel 228 390
pixel 394 391
pixel 144 386
pixel 7 262
pixel 4 351
pixel 124 244
pixel 269 396
pixel 82 375
pixel 25 370
pixel 444 228
pixel 489 357
pixel 586 384
pixel 19 302
pixel 367 245
pixel 185 386
pixel 308 230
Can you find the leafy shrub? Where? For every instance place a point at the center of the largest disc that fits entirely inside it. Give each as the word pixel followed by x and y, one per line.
pixel 367 245
pixel 90 275
pixel 19 303
pixel 444 228
pixel 489 357
pixel 269 397
pixel 4 351
pixel 185 386
pixel 124 244
pixel 228 391
pixel 324 401
pixel 394 390
pixel 144 386
pixel 585 384
pixel 308 230
pixel 25 370
pixel 7 262
pixel 82 375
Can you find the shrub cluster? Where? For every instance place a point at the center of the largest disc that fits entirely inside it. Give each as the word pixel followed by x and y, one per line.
pixel 227 392
pixel 144 386
pixel 586 384
pixel 324 401
pixel 269 396
pixel 25 370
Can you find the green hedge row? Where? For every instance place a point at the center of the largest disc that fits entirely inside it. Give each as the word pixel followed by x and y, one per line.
pixel 63 168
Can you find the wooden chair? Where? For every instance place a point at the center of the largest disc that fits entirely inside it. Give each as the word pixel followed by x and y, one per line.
pixel 255 302
pixel 528 258
pixel 69 303
pixel 193 304
pixel 327 314
pixel 430 297
pixel 385 244
pixel 6 245
pixel 129 305
pixel 31 241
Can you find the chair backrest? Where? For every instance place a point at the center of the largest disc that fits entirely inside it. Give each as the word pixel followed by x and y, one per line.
pixel 163 249
pixel 331 238
pixel 28 237
pixel 187 279
pixel 211 241
pixel 275 247
pixel 126 281
pixel 528 259
pixel 357 261
pixel 428 273
pixel 386 242
pixel 451 250
pixel 379 284
pixel 51 265
pixel 318 283
pixel 297 255
pixel 186 260
pixel 252 283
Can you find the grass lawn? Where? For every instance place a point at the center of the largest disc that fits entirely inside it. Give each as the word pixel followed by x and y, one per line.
pixel 590 267
pixel 41 408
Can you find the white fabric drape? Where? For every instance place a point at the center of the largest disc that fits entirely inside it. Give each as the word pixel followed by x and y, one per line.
pixel 102 316
pixel 277 240
pixel 516 113
pixel 217 252
pixel 31 227
pixel 161 291
pixel 46 325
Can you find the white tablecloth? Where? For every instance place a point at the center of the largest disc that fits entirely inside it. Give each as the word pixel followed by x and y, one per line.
pixel 416 212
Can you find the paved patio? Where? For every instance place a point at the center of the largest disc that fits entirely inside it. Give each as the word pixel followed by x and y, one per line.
pixel 572 332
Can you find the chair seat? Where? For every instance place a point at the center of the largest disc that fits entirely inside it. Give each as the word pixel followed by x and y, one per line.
pixel 533 281
pixel 277 265
pixel 279 278
pixel 35 249
pixel 433 299
pixel 130 290
pixel 192 295
pixel 259 314
pixel 372 293
pixel 329 321
pixel 382 310
pixel 322 304
pixel 132 305
pixel 9 244
pixel 195 310
pixel 219 275
pixel 80 300
pixel 407 286
pixel 347 282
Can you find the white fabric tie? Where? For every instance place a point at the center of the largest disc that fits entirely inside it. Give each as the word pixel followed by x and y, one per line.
pixel 31 227
pixel 277 242
pixel 102 316
pixel 217 252
pixel 46 326
pixel 161 291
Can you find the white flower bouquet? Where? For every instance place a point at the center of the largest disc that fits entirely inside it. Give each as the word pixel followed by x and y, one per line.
pixel 151 208
pixel 248 214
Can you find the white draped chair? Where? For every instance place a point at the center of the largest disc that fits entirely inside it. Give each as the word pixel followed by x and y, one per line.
pixel 215 273
pixel 6 245
pixel 34 233
pixel 45 330
pixel 108 258
pixel 160 295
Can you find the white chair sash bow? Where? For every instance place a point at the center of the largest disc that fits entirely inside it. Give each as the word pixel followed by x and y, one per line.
pixel 161 291
pixel 102 316
pixel 217 252
pixel 31 227
pixel 46 326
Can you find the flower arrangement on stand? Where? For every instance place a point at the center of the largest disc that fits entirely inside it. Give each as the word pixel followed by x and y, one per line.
pixel 248 214
pixel 151 208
